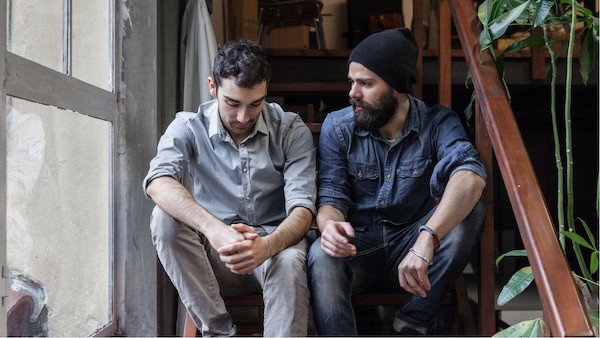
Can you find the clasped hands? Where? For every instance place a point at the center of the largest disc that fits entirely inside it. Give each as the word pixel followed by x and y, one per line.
pixel 240 248
pixel 412 271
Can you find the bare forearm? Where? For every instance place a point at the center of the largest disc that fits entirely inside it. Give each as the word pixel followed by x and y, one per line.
pixel 291 230
pixel 174 199
pixel 462 192
pixel 328 213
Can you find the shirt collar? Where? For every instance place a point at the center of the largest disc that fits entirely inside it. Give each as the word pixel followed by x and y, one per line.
pixel 413 120
pixel 216 124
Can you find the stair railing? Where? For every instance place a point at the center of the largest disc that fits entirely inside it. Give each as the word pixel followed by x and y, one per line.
pixel 564 313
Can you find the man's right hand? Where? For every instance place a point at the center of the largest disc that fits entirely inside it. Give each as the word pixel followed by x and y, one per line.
pixel 335 239
pixel 226 235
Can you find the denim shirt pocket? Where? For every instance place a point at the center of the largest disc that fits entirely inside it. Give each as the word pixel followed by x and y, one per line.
pixel 364 181
pixel 413 179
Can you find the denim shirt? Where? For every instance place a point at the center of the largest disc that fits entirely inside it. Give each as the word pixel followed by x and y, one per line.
pixel 372 180
pixel 257 182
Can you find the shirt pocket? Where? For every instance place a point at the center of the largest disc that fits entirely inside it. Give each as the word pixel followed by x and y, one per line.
pixel 364 181
pixel 413 180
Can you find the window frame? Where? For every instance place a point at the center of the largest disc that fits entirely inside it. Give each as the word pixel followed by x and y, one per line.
pixel 28 80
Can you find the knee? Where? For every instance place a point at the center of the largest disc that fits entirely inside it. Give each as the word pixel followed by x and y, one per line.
pixel 293 256
pixel 163 226
pixel 465 236
pixel 475 220
pixel 323 267
pixel 316 256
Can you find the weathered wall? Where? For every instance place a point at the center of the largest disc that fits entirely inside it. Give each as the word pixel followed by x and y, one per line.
pixel 138 124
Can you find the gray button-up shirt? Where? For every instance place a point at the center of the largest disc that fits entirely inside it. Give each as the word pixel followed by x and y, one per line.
pixel 258 182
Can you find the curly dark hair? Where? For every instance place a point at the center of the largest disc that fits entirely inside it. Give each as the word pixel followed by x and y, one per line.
pixel 245 60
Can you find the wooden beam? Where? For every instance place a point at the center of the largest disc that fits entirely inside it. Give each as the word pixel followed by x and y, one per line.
pixel 445 59
pixel 487 282
pixel 418 34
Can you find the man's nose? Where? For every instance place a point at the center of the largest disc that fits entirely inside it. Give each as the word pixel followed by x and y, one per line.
pixel 243 116
pixel 354 92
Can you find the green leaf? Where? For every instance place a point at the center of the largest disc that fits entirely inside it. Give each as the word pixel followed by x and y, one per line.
pixel 593 316
pixel 485 40
pixel 514 47
pixel 532 41
pixel 588 232
pixel 469 108
pixel 578 7
pixel 467 80
pixel 542 8
pixel 498 7
pixel 594 262
pixel 587 56
pixel 483 12
pixel 498 26
pixel 577 239
pixel 517 283
pixel 527 328
pixel 513 253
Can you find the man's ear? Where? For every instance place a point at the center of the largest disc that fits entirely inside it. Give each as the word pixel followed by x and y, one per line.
pixel 212 86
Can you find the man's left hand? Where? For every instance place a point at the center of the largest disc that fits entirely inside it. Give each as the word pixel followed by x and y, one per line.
pixel 243 257
pixel 412 271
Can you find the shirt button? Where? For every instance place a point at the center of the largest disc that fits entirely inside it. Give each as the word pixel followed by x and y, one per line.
pixel 415 172
pixel 381 202
pixel 244 170
pixel 387 177
pixel 360 173
pixel 248 197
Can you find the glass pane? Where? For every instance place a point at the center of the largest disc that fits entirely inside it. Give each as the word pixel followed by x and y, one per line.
pixel 91 42
pixel 34 31
pixel 58 220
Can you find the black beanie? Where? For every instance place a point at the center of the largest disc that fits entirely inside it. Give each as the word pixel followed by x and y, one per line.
pixel 391 54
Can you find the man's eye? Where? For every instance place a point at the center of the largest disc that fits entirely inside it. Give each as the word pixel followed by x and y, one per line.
pixel 256 104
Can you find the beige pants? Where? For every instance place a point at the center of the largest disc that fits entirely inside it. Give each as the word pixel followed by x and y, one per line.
pixel 201 278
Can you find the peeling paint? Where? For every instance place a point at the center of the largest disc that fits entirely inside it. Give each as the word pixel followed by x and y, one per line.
pixel 125 17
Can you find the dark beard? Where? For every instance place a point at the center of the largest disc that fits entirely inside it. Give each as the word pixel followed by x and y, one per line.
pixel 376 115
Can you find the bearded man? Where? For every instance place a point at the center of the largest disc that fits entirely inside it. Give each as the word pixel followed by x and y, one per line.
pixel 399 185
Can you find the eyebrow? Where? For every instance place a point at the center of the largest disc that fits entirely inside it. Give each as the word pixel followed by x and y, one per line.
pixel 237 101
pixel 361 79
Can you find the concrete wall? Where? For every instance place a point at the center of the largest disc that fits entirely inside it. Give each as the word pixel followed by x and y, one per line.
pixel 138 89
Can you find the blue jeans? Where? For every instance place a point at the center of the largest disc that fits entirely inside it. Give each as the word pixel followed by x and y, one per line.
pixel 380 249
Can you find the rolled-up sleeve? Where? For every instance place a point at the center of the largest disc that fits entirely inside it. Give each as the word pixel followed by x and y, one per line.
pixel 455 152
pixel 174 151
pixel 334 186
pixel 300 167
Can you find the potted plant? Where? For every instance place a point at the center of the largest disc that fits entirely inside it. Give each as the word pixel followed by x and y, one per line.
pixel 551 16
